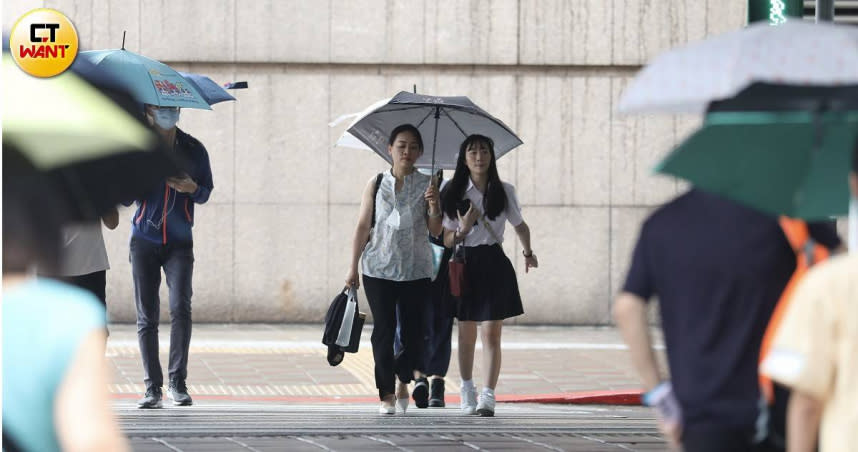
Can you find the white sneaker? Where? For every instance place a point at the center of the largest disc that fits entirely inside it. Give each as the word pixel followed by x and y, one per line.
pixel 469 400
pixel 486 407
pixel 386 409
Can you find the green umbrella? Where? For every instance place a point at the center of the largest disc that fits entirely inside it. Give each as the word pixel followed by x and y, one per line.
pixel 152 82
pixel 96 153
pixel 63 119
pixel 791 163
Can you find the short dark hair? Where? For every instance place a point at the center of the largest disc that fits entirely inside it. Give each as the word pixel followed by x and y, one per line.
pixel 406 128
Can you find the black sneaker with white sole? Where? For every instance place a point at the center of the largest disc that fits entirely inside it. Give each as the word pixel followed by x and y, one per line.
pixel 152 398
pixel 421 392
pixel 178 393
pixel 436 393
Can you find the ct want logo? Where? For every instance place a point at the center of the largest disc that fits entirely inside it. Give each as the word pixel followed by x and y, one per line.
pixel 43 42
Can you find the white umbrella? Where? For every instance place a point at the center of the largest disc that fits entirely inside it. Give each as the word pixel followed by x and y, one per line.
pixel 687 79
pixel 347 140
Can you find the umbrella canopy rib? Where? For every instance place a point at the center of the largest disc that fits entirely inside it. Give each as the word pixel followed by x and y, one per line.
pixel 419 124
pixel 455 123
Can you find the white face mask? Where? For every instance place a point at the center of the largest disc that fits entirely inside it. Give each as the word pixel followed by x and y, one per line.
pixel 165 118
pixel 853 225
pixel 400 218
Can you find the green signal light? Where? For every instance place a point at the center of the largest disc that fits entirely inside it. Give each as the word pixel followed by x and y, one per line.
pixel 776 12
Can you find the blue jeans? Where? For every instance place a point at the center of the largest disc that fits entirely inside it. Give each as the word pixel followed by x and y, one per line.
pixel 177 260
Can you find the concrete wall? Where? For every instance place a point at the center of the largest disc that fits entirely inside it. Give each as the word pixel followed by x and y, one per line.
pixel 272 243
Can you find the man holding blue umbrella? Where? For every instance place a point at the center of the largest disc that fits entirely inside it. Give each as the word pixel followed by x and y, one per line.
pixel 161 234
pixel 161 237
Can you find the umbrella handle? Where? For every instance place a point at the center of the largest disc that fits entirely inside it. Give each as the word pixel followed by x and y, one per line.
pixel 435 137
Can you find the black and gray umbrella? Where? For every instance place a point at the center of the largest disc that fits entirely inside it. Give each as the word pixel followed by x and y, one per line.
pixel 210 90
pixel 444 122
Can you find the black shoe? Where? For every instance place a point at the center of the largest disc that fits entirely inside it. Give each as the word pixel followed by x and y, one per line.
pixel 152 398
pixel 436 398
pixel 335 355
pixel 421 392
pixel 178 392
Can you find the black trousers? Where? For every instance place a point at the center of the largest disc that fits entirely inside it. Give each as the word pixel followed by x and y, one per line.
pixel 384 297
pixel 95 282
pixel 438 316
pixel 722 440
pixel 437 323
pixel 439 329
pixel 147 259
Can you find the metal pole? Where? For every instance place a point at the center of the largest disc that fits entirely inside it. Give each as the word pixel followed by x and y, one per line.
pixel 824 11
pixel 435 137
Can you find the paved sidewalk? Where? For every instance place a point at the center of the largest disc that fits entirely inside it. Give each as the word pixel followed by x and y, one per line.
pixel 286 363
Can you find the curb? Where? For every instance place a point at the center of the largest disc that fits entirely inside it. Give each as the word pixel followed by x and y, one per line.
pixel 619 397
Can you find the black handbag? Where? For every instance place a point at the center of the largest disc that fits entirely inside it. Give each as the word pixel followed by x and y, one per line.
pixel 334 317
pixel 357 328
pixel 343 326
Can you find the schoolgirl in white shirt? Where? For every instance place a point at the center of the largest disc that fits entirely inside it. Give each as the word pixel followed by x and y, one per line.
pixel 477 205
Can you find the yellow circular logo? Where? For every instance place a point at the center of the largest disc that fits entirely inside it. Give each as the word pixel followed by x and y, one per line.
pixel 43 42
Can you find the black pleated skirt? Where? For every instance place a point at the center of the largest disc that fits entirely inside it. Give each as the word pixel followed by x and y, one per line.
pixel 492 292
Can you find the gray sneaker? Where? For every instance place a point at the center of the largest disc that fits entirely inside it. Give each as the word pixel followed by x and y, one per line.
pixel 177 391
pixel 152 398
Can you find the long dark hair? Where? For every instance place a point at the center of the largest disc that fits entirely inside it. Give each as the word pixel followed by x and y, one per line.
pixel 494 201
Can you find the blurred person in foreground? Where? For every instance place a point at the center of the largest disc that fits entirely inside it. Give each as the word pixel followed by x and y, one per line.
pixel 83 256
pixel 161 236
pixel 815 353
pixel 718 269
pixel 54 373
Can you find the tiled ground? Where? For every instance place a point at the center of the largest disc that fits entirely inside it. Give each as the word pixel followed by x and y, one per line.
pixel 271 361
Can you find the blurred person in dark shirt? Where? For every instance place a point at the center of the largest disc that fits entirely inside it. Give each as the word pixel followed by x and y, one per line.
pixel 718 269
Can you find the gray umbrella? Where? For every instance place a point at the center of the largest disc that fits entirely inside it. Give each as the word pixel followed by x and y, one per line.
pixel 444 122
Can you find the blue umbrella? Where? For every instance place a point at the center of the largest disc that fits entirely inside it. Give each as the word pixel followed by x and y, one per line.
pixel 151 82
pixel 211 91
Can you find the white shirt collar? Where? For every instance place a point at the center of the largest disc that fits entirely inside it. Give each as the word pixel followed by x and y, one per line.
pixel 471 185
